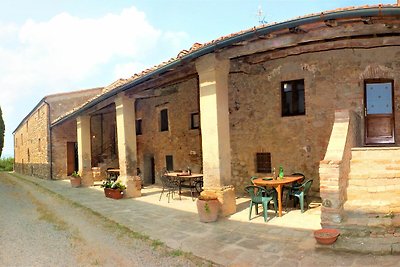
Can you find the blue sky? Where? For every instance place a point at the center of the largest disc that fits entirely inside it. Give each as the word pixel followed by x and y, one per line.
pixel 49 46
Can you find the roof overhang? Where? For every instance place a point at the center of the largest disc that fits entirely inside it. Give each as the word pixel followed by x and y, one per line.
pixel 375 11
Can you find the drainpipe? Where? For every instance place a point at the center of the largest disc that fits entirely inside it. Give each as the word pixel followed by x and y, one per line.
pixel 49 144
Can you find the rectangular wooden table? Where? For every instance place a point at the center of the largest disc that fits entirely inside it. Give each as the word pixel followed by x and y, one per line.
pixel 182 177
pixel 278 185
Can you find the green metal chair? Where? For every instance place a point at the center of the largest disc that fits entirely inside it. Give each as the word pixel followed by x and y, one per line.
pixel 258 195
pixel 300 192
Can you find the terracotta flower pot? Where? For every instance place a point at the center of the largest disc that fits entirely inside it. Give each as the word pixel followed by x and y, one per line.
pixel 113 193
pixel 208 210
pixel 326 236
pixel 75 181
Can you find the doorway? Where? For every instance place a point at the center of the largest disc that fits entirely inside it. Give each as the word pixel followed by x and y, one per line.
pixel 149 174
pixel 379 115
pixel 72 157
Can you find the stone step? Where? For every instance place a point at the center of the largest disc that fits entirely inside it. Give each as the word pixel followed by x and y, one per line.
pixel 390 183
pixel 360 201
pixel 376 153
pixel 364 192
pixel 371 174
pixel 386 164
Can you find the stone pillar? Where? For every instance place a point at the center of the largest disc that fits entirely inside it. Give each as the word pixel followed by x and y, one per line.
pixel 214 116
pixel 127 154
pixel 84 150
pixel 334 169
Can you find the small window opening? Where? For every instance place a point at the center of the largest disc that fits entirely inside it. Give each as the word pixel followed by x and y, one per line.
pixel 164 120
pixel 293 102
pixel 263 162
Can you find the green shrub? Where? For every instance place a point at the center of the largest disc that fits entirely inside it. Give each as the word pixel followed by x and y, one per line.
pixel 6 164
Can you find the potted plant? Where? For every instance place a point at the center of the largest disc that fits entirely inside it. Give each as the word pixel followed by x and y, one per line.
pixel 75 179
pixel 208 206
pixel 113 190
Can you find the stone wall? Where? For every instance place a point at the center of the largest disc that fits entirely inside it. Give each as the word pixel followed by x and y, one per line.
pixel 33 135
pixel 30 145
pixel 64 102
pixel 182 142
pixel 103 131
pixel 333 80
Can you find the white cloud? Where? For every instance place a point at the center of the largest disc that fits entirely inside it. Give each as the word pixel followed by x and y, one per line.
pixel 65 52
pixel 128 69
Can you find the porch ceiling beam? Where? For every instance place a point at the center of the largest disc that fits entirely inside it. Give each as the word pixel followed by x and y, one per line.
pixel 102 105
pixel 144 90
pixel 313 35
pixel 324 46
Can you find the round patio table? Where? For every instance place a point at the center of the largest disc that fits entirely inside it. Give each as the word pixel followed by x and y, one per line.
pixel 278 185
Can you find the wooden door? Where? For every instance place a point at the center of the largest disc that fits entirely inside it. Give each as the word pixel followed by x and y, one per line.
pixel 71 158
pixel 379 116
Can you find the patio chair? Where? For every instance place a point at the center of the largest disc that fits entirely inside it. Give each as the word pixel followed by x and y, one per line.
pixel 170 185
pixel 258 195
pixel 300 192
pixel 195 186
pixel 270 192
pixel 298 183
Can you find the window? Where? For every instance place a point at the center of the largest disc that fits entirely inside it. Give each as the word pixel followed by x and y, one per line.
pixel 195 120
pixel 263 161
pixel 164 120
pixel 293 98
pixel 29 156
pixel 39 145
pixel 138 126
pixel 169 162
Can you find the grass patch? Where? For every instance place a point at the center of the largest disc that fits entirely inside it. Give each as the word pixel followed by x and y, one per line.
pixel 176 253
pixel 156 243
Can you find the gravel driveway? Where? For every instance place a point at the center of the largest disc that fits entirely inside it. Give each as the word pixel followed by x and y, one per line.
pixel 38 228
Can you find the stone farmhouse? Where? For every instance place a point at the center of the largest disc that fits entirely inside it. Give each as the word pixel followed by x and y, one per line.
pixel 318 94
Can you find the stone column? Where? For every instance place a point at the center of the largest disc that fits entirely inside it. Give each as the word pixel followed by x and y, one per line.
pixel 214 117
pixel 127 153
pixel 84 149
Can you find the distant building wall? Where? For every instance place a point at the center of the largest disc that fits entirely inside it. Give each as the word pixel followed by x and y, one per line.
pixel 31 142
pixel 31 138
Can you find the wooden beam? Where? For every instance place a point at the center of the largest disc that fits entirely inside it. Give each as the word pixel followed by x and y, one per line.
pixel 361 43
pixel 318 33
pixel 331 23
pixel 180 74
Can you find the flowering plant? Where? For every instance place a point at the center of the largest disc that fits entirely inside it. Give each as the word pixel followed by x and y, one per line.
pixel 75 174
pixel 114 185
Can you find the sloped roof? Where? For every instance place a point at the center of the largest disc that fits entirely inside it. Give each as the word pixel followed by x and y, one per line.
pixel 197 50
pixel 50 98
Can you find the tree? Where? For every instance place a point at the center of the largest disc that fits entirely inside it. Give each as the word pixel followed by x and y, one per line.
pixel 2 128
